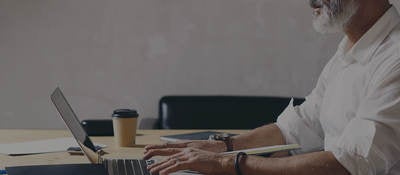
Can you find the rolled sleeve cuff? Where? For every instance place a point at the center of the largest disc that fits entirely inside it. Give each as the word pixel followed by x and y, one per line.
pixel 295 131
pixel 355 164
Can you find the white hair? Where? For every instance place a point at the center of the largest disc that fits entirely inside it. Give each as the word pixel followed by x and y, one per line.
pixel 333 17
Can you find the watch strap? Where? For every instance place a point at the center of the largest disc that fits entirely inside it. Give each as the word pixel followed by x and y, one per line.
pixel 229 144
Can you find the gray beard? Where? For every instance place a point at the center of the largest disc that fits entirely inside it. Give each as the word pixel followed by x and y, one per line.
pixel 334 18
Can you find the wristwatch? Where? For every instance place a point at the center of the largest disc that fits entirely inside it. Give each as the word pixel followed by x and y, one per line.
pixel 226 138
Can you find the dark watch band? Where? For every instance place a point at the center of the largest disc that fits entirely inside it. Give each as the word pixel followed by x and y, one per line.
pixel 239 156
pixel 229 144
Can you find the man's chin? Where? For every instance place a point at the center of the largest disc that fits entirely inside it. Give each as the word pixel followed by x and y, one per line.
pixel 323 24
pixel 326 29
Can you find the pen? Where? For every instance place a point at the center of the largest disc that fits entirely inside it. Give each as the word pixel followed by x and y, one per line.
pixel 3 172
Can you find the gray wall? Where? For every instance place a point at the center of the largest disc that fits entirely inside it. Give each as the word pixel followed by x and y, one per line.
pixel 107 54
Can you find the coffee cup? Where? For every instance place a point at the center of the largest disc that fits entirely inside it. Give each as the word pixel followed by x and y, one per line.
pixel 124 124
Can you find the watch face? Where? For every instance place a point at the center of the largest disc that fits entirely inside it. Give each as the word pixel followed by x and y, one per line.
pixel 221 136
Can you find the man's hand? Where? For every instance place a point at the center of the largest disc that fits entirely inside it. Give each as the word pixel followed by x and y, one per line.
pixel 194 159
pixel 208 145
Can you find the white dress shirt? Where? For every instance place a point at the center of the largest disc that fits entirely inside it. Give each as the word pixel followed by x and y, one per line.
pixel 354 110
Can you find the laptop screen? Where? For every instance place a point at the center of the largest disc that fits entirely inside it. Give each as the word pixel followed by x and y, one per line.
pixel 70 119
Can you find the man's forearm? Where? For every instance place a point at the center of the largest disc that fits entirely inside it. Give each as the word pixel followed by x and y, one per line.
pixel 263 136
pixel 318 163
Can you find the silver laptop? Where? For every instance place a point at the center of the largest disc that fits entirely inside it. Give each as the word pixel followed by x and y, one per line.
pixel 112 166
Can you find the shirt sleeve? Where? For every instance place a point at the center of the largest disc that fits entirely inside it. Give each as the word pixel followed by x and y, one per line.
pixel 370 143
pixel 300 124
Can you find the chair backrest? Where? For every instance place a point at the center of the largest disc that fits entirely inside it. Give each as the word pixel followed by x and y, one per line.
pixel 220 112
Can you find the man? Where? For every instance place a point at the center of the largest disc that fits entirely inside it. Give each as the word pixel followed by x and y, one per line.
pixel 349 124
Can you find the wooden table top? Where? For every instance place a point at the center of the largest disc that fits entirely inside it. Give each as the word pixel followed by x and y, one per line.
pixel 143 137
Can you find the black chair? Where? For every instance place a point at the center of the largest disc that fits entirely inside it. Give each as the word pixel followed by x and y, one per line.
pixel 98 127
pixel 205 112
pixel 220 112
pixel 104 127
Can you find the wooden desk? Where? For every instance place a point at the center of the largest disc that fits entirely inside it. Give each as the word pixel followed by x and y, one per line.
pixel 144 137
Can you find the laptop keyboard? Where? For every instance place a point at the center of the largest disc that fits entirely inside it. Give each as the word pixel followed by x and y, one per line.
pixel 127 166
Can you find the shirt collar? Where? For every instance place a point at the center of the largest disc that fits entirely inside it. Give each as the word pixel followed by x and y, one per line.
pixel 362 51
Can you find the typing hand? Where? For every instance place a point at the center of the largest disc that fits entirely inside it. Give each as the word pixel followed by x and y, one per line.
pixel 207 145
pixel 193 159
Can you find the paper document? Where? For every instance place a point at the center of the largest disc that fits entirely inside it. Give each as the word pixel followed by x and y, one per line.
pixel 266 150
pixel 40 146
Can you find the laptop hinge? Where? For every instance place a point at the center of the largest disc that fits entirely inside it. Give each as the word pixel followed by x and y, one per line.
pixel 100 152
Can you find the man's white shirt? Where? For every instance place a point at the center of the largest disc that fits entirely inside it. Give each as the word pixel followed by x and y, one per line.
pixel 354 110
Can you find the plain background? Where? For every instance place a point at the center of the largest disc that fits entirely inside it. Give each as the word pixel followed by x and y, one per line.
pixel 108 54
